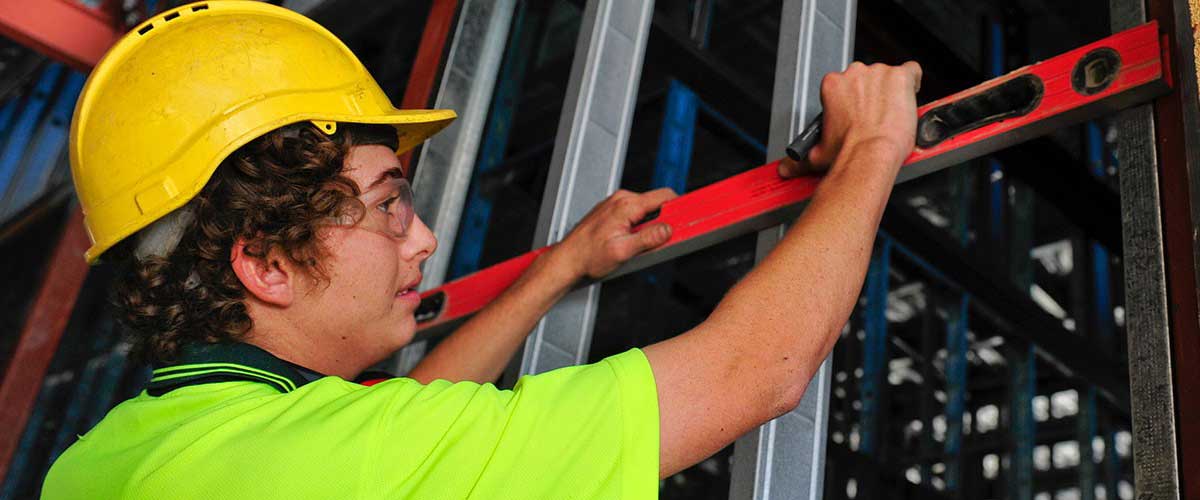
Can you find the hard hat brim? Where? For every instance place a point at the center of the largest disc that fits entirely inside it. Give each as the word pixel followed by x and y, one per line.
pixel 413 127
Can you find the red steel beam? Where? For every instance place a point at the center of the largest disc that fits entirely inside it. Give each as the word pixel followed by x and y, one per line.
pixel 39 338
pixel 63 30
pixel 1179 252
pixel 424 73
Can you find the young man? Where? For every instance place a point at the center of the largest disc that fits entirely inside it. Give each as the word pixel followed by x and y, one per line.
pixel 243 165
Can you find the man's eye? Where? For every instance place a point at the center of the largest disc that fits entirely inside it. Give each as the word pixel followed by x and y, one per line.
pixel 387 204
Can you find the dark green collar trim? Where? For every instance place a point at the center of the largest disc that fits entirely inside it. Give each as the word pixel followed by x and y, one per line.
pixel 226 362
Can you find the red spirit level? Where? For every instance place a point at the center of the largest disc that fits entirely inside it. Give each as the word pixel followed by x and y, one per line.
pixel 1091 81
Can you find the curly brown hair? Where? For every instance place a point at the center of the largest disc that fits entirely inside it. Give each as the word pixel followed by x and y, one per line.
pixel 274 192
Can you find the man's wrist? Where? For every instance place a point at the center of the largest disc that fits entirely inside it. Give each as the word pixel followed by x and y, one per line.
pixel 558 267
pixel 876 150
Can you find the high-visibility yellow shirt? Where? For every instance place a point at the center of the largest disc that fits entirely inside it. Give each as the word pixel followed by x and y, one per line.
pixel 235 422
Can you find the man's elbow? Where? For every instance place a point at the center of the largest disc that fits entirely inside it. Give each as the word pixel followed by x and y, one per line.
pixel 787 398
pixel 792 374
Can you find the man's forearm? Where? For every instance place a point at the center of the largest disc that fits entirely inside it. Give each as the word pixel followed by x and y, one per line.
pixel 812 279
pixel 768 335
pixel 810 282
pixel 481 348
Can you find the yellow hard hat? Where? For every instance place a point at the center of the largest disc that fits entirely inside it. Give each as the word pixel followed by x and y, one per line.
pixel 183 90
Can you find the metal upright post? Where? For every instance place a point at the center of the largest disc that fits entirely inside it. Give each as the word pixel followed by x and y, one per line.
pixel 477 212
pixel 586 165
pixel 440 184
pixel 785 458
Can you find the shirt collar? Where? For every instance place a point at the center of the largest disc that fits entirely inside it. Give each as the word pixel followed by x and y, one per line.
pixel 204 363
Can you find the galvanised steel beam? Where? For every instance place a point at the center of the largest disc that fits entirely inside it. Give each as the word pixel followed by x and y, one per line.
pixel 586 165
pixel 447 159
pixel 785 458
pixel 477 213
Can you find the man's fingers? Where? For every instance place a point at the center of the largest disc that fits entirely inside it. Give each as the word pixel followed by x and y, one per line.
pixel 789 168
pixel 636 208
pixel 654 199
pixel 624 247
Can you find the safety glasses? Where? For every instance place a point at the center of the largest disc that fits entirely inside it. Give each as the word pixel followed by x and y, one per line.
pixel 389 209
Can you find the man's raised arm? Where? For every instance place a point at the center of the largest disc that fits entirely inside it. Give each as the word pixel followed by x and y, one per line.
pixel 752 359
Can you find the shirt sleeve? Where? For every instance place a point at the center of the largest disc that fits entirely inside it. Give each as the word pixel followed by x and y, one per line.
pixel 579 432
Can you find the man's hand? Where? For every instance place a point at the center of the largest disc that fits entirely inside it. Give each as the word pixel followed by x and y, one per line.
pixel 604 239
pixel 865 105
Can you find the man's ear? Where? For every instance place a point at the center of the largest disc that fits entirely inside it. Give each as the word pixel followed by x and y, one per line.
pixel 271 278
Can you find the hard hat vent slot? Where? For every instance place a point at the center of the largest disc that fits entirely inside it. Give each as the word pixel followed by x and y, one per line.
pixel 200 7
pixel 145 29
pixel 170 16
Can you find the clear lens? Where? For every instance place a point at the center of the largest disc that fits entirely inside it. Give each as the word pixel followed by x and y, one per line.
pixel 389 208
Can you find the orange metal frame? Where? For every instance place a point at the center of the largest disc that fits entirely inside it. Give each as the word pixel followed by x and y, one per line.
pixel 43 328
pixel 64 30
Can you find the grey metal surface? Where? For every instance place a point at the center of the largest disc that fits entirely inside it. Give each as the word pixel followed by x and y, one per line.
pixel 447 160
pixel 1147 326
pixel 785 458
pixel 586 165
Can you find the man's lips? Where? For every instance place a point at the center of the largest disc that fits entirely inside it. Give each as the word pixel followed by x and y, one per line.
pixel 410 290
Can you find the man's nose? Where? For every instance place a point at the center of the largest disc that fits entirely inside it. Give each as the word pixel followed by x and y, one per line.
pixel 420 243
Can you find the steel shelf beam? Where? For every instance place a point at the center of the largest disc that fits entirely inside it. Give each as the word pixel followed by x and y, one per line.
pixel 785 458
pixel 448 158
pixel 441 183
pixel 586 165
